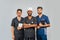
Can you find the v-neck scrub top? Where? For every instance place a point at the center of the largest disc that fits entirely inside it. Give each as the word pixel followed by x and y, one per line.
pixel 30 32
pixel 45 19
pixel 15 23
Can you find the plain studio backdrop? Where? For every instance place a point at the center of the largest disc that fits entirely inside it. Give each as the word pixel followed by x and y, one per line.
pixel 8 11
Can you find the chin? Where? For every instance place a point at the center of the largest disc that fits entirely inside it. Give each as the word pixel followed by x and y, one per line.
pixel 39 13
pixel 18 16
pixel 29 15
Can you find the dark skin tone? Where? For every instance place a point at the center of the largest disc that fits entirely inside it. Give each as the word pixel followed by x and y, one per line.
pixel 40 15
pixel 29 12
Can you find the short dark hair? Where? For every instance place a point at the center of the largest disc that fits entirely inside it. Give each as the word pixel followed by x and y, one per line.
pixel 19 10
pixel 39 8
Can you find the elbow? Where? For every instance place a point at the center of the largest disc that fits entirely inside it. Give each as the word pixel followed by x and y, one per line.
pixel 12 29
pixel 48 25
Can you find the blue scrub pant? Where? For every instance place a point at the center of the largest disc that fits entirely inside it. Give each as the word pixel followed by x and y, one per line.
pixel 41 35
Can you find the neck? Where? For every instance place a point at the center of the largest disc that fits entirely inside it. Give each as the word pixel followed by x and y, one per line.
pixel 40 15
pixel 29 17
pixel 19 18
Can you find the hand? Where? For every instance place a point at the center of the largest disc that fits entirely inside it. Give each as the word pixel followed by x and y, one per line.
pixel 13 37
pixel 38 27
pixel 41 25
pixel 19 28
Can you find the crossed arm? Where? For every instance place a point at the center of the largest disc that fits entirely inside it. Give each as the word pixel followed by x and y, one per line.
pixel 40 25
pixel 29 25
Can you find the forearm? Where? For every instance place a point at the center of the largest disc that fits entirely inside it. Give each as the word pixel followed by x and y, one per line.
pixel 46 25
pixel 28 26
pixel 12 31
pixel 33 25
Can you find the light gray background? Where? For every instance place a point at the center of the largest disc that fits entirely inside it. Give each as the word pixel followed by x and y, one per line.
pixel 8 11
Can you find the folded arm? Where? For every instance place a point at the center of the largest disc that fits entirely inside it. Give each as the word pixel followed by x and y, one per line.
pixel 29 25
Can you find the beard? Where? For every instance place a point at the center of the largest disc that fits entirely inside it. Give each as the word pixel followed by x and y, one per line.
pixel 29 14
pixel 40 13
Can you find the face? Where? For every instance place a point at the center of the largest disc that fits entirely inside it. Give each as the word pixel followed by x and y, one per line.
pixel 19 13
pixel 39 11
pixel 29 12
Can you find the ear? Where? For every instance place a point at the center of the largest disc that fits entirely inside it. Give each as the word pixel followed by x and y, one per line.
pixel 32 11
pixel 27 11
pixel 21 12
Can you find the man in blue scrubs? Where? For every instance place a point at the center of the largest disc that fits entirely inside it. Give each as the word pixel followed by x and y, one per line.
pixel 43 23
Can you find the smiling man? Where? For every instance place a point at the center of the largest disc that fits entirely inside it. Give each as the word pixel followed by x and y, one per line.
pixel 29 25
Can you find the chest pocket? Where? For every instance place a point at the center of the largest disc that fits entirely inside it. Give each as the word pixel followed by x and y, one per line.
pixel 29 21
pixel 43 21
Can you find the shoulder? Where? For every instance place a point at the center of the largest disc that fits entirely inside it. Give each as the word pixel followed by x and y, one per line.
pixel 45 16
pixel 37 16
pixel 34 18
pixel 22 18
pixel 14 18
pixel 25 17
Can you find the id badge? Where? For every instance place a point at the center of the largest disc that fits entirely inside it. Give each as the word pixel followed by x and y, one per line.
pixel 32 22
pixel 20 25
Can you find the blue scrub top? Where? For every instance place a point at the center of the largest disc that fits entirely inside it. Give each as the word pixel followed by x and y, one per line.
pixel 42 31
